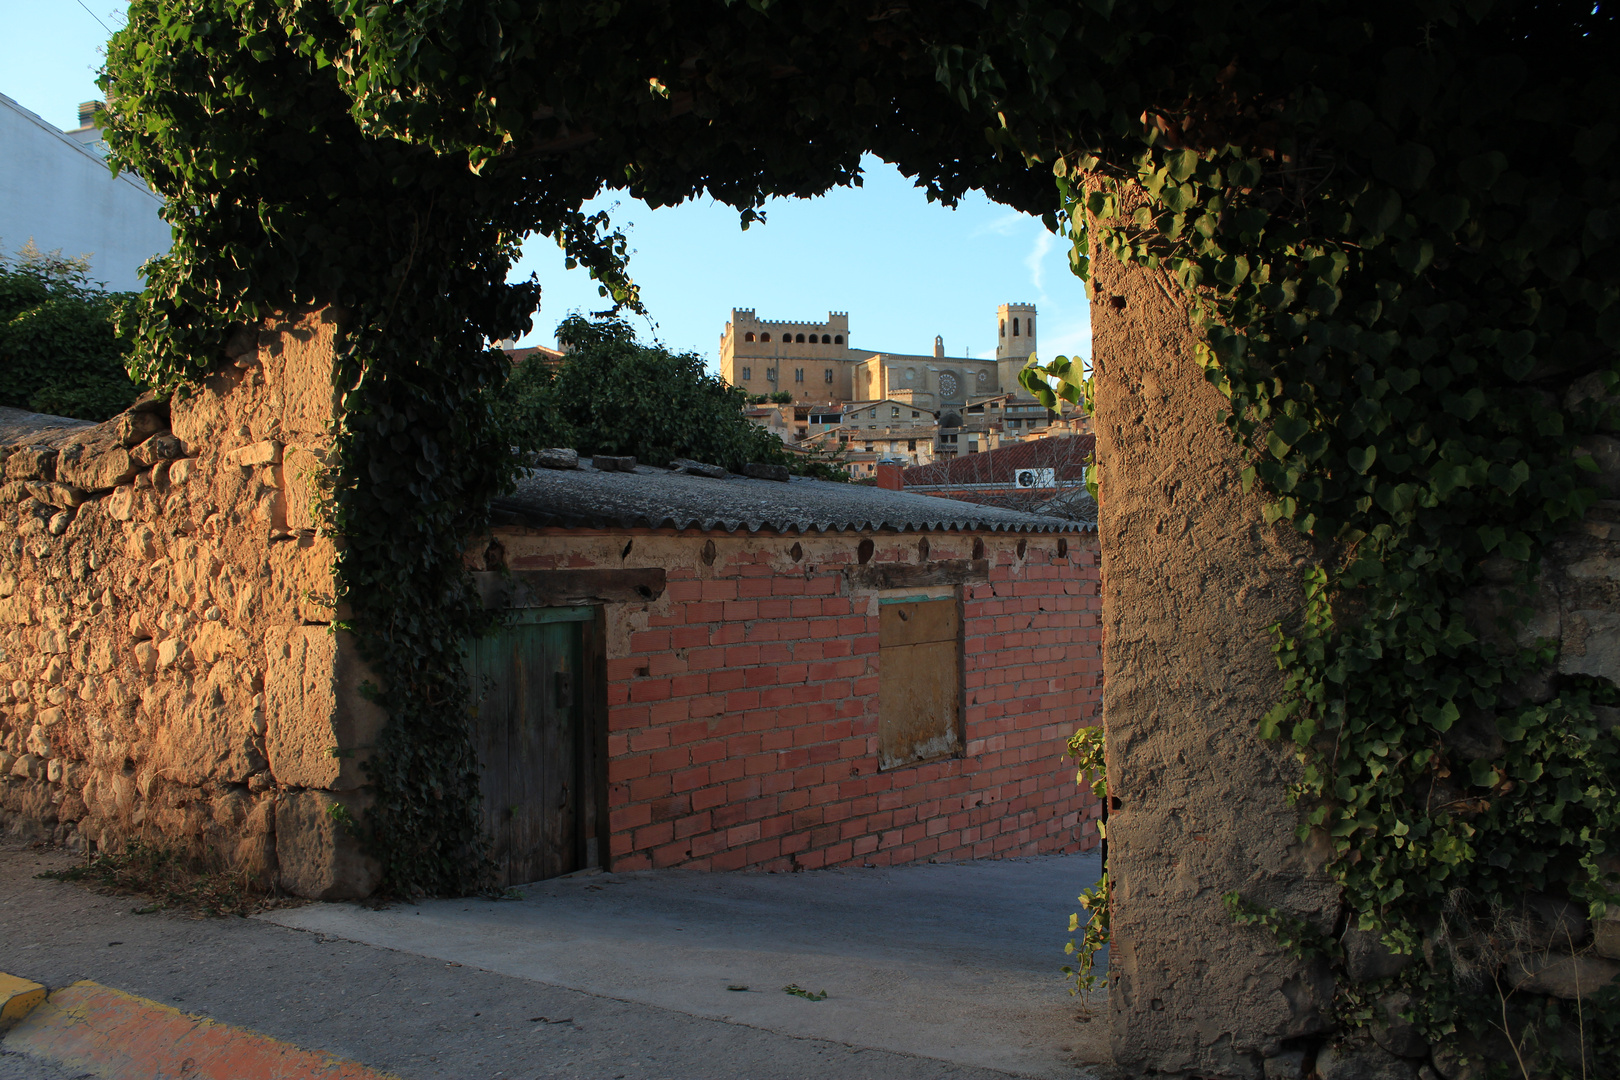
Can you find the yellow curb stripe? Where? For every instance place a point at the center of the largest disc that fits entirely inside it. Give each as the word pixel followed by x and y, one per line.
pixel 109 1033
pixel 18 998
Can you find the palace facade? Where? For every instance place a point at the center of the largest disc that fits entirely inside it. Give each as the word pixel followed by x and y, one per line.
pixel 816 362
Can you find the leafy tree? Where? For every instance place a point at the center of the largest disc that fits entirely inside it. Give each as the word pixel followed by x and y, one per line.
pixel 614 395
pixel 60 350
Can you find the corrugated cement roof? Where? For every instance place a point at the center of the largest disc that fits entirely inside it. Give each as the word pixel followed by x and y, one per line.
pixel 659 499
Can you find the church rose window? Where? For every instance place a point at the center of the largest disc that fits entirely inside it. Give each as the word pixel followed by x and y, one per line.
pixel 947 385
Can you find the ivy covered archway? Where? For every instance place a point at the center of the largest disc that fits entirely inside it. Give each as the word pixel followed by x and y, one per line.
pixel 1392 229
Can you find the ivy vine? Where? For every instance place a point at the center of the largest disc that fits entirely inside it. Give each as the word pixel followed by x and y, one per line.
pixel 1407 290
pixel 1395 225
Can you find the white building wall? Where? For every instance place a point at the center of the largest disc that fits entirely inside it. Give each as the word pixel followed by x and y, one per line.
pixel 60 195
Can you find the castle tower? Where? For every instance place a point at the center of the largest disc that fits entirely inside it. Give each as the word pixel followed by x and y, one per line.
pixel 1015 341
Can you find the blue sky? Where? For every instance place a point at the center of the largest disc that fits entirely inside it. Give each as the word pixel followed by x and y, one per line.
pixel 904 269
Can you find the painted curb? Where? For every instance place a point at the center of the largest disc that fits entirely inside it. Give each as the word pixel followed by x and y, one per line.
pixel 108 1033
pixel 18 998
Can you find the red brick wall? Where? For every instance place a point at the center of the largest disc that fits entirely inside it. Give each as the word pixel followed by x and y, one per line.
pixel 743 704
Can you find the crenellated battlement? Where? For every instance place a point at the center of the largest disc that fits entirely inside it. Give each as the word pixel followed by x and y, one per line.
pixel 835 320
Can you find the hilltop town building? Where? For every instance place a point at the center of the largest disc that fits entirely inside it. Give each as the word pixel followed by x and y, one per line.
pixel 815 361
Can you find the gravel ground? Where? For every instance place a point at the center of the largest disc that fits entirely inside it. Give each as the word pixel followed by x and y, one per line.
pixel 411 1015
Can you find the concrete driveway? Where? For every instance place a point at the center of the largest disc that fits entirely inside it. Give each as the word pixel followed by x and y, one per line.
pixel 958 961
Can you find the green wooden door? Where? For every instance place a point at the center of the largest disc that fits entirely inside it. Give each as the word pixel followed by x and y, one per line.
pixel 531 742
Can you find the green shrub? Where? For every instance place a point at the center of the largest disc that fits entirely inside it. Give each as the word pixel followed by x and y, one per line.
pixel 60 350
pixel 614 395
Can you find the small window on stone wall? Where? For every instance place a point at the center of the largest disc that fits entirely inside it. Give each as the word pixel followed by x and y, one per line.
pixel 838 339
pixel 919 680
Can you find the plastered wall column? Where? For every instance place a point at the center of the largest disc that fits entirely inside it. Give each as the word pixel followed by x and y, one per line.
pixel 1192 577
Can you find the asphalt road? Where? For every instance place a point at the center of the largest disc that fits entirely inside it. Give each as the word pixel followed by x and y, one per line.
pixel 417 1016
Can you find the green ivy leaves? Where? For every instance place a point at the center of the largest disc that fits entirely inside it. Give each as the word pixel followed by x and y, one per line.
pixel 1395 296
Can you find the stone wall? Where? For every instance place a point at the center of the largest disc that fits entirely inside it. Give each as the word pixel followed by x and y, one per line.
pixel 743 702
pixel 169 672
pixel 1192 577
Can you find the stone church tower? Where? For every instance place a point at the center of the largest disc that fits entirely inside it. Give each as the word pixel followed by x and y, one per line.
pixel 1015 342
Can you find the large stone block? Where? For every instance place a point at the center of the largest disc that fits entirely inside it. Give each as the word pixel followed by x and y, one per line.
pixel 303 583
pixel 1606 936
pixel 298 364
pixel 95 465
pixel 1362 1061
pixel 303 474
pixel 1567 977
pixel 319 727
pixel 1605 452
pixel 318 854
pixel 1591 644
pixel 1367 958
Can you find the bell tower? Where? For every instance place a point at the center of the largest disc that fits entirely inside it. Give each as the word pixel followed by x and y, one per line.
pixel 1015 341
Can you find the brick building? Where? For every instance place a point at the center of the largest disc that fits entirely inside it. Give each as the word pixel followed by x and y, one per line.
pixel 704 671
pixel 1042 476
pixel 801 674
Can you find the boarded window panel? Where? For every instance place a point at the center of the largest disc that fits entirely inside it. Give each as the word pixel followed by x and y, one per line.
pixel 919 681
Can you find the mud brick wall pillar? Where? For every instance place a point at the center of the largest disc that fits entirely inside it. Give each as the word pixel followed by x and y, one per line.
pixel 1192 577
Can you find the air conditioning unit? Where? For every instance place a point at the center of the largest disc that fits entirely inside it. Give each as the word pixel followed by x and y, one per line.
pixel 1035 478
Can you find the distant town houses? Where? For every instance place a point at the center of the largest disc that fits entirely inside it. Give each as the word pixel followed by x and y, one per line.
pixel 57 196
pixel 875 408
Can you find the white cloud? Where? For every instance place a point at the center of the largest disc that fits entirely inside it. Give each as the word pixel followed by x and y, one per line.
pixel 1036 261
pixel 1005 225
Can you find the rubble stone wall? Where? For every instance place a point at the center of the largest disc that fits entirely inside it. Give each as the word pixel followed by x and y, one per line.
pixel 742 703
pixel 169 673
